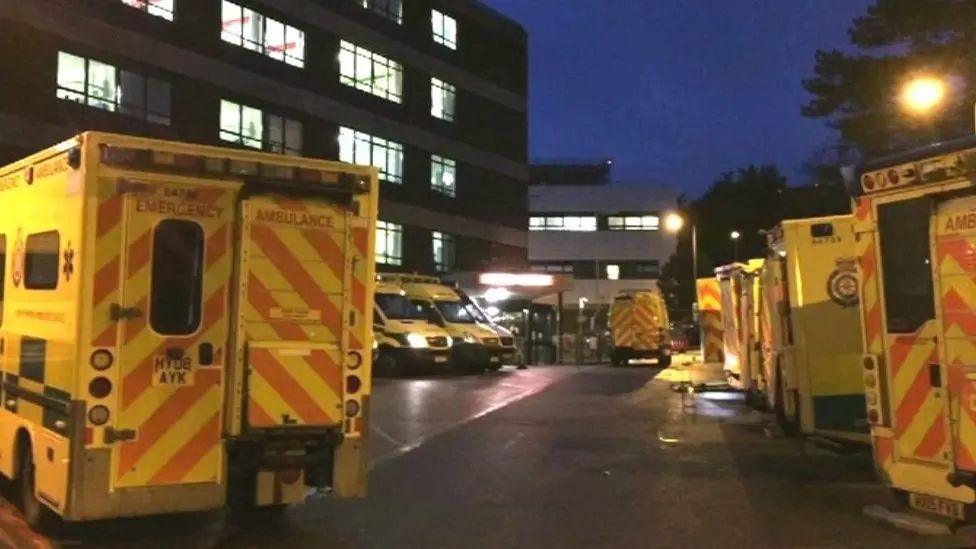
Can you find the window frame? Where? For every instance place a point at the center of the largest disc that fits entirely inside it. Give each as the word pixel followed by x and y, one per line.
pixel 557 223
pixel 906 313
pixel 622 222
pixel 29 262
pixel 146 6
pixel 439 31
pixel 259 44
pixel 447 261
pixel 265 141
pixel 447 166
pixel 198 298
pixel 390 235
pixel 354 75
pixel 375 7
pixel 448 91
pixel 119 102
pixel 393 153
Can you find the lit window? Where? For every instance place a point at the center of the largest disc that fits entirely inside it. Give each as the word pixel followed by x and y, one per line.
pixel 109 88
pixel 445 29
pixel 445 252
pixel 367 150
pixel 391 9
pixel 251 30
pixel 576 223
pixel 370 72
pixel 159 8
pixel 254 128
pixel 389 243
pixel 613 272
pixel 443 173
pixel 634 223
pixel 443 100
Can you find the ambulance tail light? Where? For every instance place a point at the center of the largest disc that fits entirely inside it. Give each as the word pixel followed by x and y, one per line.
pixel 873 377
pixel 100 387
pixel 101 360
pixel 98 416
pixel 352 408
pixel 353 384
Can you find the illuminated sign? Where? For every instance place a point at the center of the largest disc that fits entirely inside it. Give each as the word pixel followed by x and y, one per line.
pixel 530 280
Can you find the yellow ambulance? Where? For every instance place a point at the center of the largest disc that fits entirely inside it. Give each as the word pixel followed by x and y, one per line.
pixel 406 340
pixel 640 328
pixel 740 314
pixel 182 327
pixel 810 330
pixel 915 233
pixel 710 319
pixel 476 347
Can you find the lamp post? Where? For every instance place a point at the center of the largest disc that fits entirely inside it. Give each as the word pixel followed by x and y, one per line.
pixel 673 223
pixel 735 236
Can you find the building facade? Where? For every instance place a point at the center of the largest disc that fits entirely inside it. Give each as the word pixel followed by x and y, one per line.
pixel 608 236
pixel 431 92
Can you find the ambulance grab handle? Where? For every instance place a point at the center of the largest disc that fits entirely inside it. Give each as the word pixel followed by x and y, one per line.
pixel 118 312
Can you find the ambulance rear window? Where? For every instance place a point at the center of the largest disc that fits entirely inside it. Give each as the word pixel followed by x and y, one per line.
pixel 906 264
pixel 176 297
pixel 41 261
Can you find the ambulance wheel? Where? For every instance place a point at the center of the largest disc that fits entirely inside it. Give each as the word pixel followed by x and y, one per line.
pixel 36 514
pixel 664 361
pixel 494 367
pixel 786 423
pixel 618 358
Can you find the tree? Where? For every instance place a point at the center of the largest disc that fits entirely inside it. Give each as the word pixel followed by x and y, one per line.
pixel 751 200
pixel 896 40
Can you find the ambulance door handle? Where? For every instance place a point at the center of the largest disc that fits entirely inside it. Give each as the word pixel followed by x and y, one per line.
pixel 935 376
pixel 206 352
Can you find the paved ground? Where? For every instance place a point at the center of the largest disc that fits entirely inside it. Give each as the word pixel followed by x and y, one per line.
pixel 563 457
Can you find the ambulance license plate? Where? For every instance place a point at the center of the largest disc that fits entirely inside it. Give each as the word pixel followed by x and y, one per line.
pixel 938 506
pixel 440 359
pixel 495 359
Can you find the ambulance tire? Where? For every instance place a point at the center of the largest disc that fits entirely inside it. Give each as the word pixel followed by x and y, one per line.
pixel 36 514
pixel 664 361
pixel 387 365
pixel 786 423
pixel 618 358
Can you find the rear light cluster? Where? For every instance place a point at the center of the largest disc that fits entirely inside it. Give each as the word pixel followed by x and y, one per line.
pixel 872 390
pixel 100 387
pixel 199 164
pixel 354 383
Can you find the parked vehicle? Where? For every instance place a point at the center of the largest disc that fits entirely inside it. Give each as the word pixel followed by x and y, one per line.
pixel 915 232
pixel 640 328
pixel 509 350
pixel 183 326
pixel 810 330
pixel 407 342
pixel 476 347
pixel 710 319
pixel 740 315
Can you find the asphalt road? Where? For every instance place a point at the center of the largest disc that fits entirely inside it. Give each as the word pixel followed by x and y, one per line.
pixel 560 457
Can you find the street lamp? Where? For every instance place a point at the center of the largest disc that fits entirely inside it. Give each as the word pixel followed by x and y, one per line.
pixel 735 236
pixel 922 95
pixel 673 223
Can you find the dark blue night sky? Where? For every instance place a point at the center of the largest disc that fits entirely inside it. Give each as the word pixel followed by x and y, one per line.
pixel 677 91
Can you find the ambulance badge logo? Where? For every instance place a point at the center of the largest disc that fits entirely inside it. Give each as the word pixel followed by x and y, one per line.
pixel 842 285
pixel 18 259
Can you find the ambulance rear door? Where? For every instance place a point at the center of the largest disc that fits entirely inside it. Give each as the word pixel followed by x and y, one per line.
pixel 294 312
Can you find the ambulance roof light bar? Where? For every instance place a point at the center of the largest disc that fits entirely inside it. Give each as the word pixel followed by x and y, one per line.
pixel 136 158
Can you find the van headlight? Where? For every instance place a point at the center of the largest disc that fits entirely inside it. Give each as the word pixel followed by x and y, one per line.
pixel 450 341
pixel 417 341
